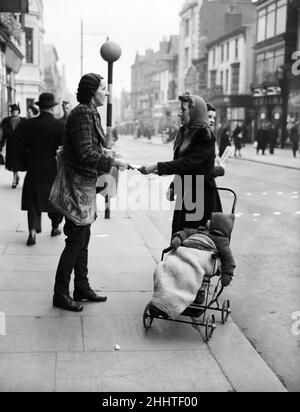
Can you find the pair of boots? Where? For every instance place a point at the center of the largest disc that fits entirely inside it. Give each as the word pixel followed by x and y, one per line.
pixel 32 235
pixel 65 301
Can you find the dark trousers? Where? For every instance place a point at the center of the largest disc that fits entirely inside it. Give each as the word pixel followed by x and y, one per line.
pixel 74 257
pixel 34 218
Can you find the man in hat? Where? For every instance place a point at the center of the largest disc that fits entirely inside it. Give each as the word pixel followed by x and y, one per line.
pixel 40 138
pixel 86 158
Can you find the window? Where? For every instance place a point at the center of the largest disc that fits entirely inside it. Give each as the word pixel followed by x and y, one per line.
pixel 222 53
pixel 29 102
pixel 267 64
pixel 235 78
pixel 186 57
pixel 213 78
pixel 281 17
pixel 227 50
pixel 186 28
pixel 227 81
pixel 261 25
pixel 236 48
pixel 272 20
pixel 214 57
pixel 222 78
pixel 29 44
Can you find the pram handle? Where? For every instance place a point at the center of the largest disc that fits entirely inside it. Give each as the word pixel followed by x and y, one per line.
pixel 222 189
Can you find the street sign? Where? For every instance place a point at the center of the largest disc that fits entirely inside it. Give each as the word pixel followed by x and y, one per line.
pixel 14 6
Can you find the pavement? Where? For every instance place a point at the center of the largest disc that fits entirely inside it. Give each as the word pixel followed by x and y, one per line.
pixel 282 157
pixel 43 349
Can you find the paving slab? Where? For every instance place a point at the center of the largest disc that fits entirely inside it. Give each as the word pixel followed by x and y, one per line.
pixel 27 372
pixel 103 333
pixel 37 335
pixel 168 371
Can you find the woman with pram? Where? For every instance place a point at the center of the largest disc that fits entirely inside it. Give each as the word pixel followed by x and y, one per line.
pixel 194 156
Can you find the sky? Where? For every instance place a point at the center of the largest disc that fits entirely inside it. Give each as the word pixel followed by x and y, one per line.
pixel 134 24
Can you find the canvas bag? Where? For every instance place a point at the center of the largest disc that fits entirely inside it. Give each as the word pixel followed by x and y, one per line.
pixel 73 196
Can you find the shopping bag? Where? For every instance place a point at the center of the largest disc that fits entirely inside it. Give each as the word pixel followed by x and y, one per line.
pixel 73 196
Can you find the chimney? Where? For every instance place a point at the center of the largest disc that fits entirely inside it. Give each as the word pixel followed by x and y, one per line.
pixel 232 20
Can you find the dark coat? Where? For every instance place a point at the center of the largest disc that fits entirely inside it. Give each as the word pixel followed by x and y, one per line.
pixel 224 141
pixel 84 143
pixel 40 137
pixel 262 138
pixel 13 162
pixel 193 156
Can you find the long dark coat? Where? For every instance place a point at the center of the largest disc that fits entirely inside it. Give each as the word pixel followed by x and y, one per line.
pixel 13 162
pixel 194 156
pixel 40 139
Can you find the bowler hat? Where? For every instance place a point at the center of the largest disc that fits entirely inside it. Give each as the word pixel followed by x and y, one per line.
pixel 46 100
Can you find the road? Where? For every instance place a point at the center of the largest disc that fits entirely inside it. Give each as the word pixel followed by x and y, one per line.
pixel 265 292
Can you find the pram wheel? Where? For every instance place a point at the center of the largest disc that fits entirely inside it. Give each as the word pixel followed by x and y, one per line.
pixel 210 327
pixel 226 311
pixel 147 318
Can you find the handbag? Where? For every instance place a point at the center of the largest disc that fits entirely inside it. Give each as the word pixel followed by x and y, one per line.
pixel 2 161
pixel 73 196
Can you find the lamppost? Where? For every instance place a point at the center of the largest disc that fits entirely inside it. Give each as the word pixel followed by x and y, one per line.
pixel 283 81
pixel 110 52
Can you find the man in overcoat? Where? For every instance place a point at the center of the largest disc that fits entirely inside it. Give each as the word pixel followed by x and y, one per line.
pixel 40 138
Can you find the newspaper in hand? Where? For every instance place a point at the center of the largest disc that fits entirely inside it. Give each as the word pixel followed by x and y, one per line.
pixel 226 155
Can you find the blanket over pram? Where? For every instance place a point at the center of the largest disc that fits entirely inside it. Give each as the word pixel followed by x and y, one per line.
pixel 179 277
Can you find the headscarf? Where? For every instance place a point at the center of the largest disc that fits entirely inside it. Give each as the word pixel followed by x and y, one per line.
pixel 88 86
pixel 198 119
pixel 198 112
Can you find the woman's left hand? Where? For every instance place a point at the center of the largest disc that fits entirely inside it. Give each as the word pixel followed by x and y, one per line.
pixel 147 170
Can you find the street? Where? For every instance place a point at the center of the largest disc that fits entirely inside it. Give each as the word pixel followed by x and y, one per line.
pixel 265 291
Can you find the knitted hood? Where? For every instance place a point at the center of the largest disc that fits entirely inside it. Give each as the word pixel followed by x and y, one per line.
pixel 221 222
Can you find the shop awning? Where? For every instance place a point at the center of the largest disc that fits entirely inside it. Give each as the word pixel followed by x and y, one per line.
pixel 14 6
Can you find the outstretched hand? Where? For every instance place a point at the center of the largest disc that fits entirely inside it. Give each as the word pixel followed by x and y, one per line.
pixel 148 170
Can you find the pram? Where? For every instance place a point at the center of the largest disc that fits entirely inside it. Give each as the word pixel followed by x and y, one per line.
pixel 199 314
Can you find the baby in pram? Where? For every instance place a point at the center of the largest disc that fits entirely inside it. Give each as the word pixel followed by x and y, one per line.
pixel 197 254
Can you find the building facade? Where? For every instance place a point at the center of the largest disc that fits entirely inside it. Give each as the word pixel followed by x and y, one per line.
pixel 154 88
pixel 230 63
pixel 188 46
pixel 275 88
pixel 30 79
pixel 11 26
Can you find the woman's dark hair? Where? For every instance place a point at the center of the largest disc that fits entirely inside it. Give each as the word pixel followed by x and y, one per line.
pixel 210 108
pixel 88 86
pixel 15 107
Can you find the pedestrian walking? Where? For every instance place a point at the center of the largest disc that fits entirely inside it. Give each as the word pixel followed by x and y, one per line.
pixel 84 161
pixel 262 138
pixel 294 136
pixel 40 138
pixel 212 114
pixel 32 111
pixel 194 155
pixel 66 107
pixel 237 137
pixel 225 139
pixel 9 137
pixel 273 137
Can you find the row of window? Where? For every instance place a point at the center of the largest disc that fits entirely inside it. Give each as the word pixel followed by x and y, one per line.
pixel 225 52
pixel 224 79
pixel 272 20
